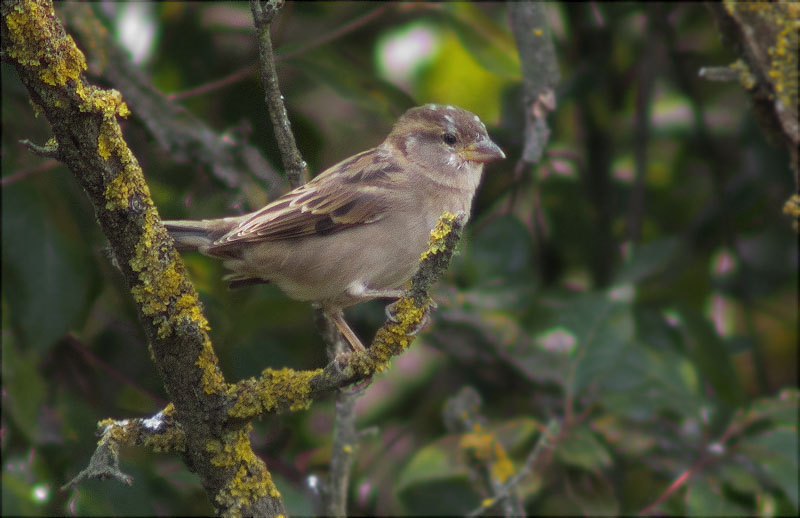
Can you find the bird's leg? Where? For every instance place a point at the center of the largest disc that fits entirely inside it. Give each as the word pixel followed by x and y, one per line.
pixel 337 317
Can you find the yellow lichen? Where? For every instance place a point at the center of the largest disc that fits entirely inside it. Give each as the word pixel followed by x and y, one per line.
pixel 105 422
pixel 781 20
pixel 32 44
pixel 117 193
pixel 170 439
pixel 159 274
pixel 251 481
pixel 483 447
pixel 160 284
pixel 746 78
pixel 783 54
pixel 436 242
pixel 37 110
pixel 284 387
pixel 159 279
pixel 792 208
pixel 212 379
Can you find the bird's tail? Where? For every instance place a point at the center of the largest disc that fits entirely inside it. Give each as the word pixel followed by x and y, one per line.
pixel 198 234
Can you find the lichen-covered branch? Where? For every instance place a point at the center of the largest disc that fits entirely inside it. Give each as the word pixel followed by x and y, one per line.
pixel 539 72
pixel 286 389
pixel 343 454
pixel 160 433
pixel 296 169
pixel 544 442
pixel 489 461
pixel 187 138
pixel 83 118
pixel 540 75
pixel 765 36
pixel 644 94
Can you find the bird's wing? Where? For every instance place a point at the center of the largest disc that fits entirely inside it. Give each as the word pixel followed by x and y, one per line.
pixel 351 193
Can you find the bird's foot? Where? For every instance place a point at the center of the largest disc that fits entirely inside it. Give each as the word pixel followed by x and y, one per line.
pixel 391 314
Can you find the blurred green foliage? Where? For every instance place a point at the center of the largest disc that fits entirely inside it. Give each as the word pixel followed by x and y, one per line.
pixel 662 353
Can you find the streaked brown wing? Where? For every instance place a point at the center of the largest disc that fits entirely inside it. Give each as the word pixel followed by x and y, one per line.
pixel 352 192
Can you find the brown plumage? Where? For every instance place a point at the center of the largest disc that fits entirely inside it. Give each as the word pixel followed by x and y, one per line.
pixel 356 231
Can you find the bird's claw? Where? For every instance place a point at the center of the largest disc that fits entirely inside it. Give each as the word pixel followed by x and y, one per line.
pixel 391 314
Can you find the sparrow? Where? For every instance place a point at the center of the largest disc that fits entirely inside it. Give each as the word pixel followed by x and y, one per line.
pixel 357 230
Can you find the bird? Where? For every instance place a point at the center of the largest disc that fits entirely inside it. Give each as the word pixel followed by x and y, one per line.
pixel 356 231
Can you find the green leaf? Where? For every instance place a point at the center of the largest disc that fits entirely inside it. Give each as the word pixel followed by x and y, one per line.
pixel 706 498
pixel 491 45
pixel 454 497
pixel 624 437
pixel 647 381
pixel 442 459
pixel 712 357
pixel 781 409
pixel 603 330
pixel 25 387
pixel 581 448
pixel 435 481
pixel 777 452
pixel 740 478
pixel 46 282
pixel 594 493
pixel 17 493
pixel 515 434
pixel 647 259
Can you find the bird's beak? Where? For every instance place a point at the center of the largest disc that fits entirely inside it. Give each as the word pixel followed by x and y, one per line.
pixel 483 151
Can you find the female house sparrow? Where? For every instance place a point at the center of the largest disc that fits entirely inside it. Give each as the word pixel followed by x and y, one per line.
pixel 356 231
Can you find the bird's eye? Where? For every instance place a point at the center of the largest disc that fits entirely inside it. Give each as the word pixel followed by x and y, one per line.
pixel 449 139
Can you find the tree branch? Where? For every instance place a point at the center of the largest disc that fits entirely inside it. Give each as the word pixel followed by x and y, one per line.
pixel 84 122
pixel 648 70
pixel 766 39
pixel 539 72
pixel 345 443
pixel 229 159
pixel 161 433
pixel 544 442
pixel 296 168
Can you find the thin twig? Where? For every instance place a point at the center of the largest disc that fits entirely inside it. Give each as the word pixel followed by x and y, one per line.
pixel 345 439
pixel 338 33
pixel 543 443
pixel 684 477
pixel 91 358
pixel 540 73
pixel 345 435
pixel 49 150
pixel 648 70
pixel 227 157
pixel 21 175
pixel 296 168
pixel 245 72
pixel 461 415
pixel 214 85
